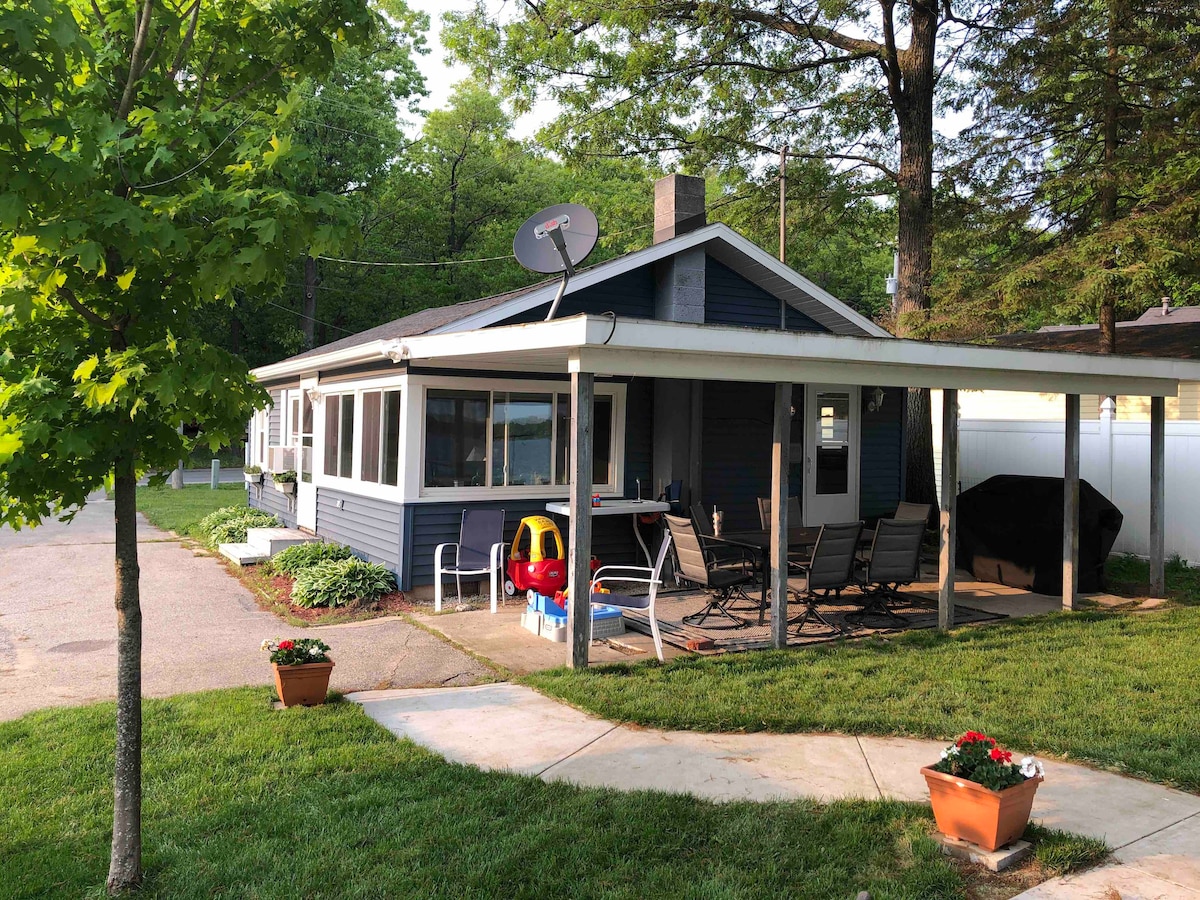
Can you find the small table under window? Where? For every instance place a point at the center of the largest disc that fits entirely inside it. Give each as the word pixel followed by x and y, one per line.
pixel 631 508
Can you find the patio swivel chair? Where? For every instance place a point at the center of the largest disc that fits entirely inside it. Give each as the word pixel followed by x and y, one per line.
pixel 635 575
pixel 728 554
pixel 794 515
pixel 699 564
pixel 895 560
pixel 478 551
pixel 830 569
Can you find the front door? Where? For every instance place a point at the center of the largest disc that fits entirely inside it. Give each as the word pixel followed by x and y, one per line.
pixel 831 453
pixel 306 490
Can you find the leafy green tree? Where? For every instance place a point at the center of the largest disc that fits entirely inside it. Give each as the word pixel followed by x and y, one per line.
pixel 1081 170
pixel 144 172
pixel 853 81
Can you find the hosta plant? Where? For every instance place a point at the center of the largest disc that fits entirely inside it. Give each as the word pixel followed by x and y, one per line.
pixel 978 758
pixel 221 516
pixel 296 558
pixel 233 531
pixel 341 582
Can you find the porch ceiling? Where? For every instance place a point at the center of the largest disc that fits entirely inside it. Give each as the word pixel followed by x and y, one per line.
pixel 631 347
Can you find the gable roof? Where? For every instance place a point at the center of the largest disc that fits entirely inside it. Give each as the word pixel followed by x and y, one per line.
pixel 720 241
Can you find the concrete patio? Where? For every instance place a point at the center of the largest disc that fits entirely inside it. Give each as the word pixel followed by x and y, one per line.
pixel 1153 830
pixel 501 639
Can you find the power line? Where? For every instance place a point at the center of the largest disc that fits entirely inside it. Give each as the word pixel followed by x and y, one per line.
pixel 447 262
pixel 300 314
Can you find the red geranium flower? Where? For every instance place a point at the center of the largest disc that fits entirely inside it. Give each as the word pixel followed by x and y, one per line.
pixel 286 645
pixel 1001 755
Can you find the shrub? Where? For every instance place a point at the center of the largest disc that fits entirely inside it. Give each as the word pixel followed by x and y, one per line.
pixel 302 556
pixel 339 582
pixel 233 531
pixel 252 470
pixel 221 516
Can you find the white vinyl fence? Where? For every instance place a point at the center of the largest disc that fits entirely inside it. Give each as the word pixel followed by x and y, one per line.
pixel 1114 457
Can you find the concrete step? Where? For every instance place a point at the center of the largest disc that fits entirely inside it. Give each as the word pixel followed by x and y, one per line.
pixel 269 541
pixel 241 554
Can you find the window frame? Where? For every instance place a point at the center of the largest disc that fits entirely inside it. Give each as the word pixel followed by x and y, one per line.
pixel 357 387
pixel 422 385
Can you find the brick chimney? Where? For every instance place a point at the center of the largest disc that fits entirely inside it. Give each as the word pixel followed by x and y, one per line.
pixel 678 206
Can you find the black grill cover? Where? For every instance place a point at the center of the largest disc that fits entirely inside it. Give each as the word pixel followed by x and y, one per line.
pixel 1010 530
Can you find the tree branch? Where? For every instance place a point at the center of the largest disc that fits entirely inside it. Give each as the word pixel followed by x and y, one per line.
pixel 186 44
pixel 95 318
pixel 135 60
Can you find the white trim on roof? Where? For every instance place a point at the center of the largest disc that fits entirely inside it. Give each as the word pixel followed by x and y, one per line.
pixel 674 350
pixel 715 234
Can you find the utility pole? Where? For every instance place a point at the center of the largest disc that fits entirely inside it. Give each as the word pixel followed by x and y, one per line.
pixel 783 155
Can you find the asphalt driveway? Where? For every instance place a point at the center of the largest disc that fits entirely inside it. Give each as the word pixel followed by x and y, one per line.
pixel 201 627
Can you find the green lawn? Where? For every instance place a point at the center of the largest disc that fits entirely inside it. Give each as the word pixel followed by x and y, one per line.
pixel 180 510
pixel 242 801
pixel 1120 690
pixel 1130 577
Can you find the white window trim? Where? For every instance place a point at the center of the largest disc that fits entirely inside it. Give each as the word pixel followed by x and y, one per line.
pixel 393 493
pixel 421 385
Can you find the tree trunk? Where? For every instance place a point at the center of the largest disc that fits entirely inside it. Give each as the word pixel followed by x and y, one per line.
pixel 309 313
pixel 914 117
pixel 125 863
pixel 1108 177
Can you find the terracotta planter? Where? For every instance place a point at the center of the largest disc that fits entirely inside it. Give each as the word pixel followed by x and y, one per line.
pixel 970 811
pixel 304 685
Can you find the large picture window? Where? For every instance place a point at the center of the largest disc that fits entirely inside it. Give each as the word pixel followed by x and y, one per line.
pixel 456 438
pixel 500 439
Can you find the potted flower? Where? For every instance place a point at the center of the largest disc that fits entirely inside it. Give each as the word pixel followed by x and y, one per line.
pixel 254 474
pixel 302 669
pixel 979 794
pixel 285 482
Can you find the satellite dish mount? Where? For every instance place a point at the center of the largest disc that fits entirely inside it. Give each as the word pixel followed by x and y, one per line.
pixel 557 239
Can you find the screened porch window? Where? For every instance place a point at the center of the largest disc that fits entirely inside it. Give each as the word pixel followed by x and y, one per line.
pixel 509 439
pixel 339 435
pixel 380 460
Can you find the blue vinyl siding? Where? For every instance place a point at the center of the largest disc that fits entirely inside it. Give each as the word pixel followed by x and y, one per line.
pixel 267 498
pixel 732 300
pixel 881 470
pixel 736 451
pixel 639 438
pixel 369 526
pixel 439 523
pixel 630 295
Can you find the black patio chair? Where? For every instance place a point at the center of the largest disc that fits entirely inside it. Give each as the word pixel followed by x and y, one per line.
pixel 895 560
pixel 830 569
pixel 479 551
pixel 698 564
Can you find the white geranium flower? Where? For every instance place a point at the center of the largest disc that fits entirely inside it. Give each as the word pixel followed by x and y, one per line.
pixel 265 645
pixel 1031 767
pixel 945 754
pixel 314 651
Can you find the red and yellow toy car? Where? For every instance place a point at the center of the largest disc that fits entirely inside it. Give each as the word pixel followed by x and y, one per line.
pixel 542 568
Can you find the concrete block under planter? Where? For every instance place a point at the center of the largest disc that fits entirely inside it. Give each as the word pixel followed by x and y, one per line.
pixel 304 685
pixel 971 812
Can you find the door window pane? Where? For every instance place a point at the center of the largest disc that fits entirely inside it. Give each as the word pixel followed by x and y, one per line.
pixel 456 438
pixel 522 432
pixel 346 454
pixel 370 436
pixel 391 437
pixel 833 443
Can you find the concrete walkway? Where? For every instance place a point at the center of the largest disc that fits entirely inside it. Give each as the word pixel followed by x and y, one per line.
pixel 201 626
pixel 1155 831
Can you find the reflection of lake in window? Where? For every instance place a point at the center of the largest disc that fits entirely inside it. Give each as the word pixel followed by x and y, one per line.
pixel 522 435
pixel 456 438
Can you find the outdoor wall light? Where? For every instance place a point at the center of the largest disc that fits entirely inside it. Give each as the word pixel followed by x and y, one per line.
pixel 876 402
pixel 397 351
pixel 314 395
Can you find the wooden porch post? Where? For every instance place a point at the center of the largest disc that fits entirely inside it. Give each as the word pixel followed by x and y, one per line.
pixel 948 526
pixel 579 555
pixel 1158 496
pixel 780 462
pixel 1070 555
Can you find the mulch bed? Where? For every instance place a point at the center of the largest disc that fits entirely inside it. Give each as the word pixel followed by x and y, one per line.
pixel 274 593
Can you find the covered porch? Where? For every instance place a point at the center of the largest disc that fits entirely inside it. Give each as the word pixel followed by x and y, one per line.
pixel 586 347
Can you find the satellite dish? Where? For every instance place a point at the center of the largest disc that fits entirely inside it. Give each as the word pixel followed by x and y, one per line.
pixel 557 239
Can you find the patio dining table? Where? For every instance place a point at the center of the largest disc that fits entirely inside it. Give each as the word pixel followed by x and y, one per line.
pixel 800 538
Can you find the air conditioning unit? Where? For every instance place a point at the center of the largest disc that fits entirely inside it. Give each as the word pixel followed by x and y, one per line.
pixel 281 459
